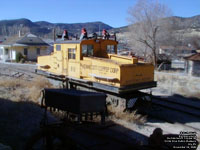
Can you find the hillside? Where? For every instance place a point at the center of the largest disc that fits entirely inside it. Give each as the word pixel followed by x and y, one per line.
pixel 45 29
pixel 183 30
pixel 188 27
pixel 179 23
pixel 182 23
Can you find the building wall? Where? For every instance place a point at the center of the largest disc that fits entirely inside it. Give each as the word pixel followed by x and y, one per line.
pixel 1 53
pixel 193 68
pixel 190 67
pixel 12 54
pixel 178 64
pixel 196 68
pixel 4 53
pixel 31 52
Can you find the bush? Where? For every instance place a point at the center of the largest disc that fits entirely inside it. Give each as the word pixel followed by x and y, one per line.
pixel 22 60
pixel 19 56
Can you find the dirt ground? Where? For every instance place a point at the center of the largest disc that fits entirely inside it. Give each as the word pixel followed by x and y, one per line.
pixel 20 113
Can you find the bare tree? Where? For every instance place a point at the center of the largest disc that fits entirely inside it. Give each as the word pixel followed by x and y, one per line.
pixel 195 41
pixel 148 27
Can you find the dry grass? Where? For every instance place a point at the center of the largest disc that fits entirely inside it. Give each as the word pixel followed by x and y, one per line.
pixel 184 85
pixel 160 78
pixel 187 93
pixel 36 86
pixel 22 90
pixel 12 83
pixel 198 139
pixel 127 116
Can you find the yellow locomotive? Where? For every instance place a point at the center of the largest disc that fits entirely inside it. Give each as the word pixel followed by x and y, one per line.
pixel 94 63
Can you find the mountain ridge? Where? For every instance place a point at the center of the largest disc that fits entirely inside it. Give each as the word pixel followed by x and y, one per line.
pixel 45 28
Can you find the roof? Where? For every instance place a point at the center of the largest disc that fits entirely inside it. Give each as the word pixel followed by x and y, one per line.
pixel 195 57
pixel 68 42
pixel 60 41
pixel 27 40
pixel 2 38
pixel 31 39
pixel 10 40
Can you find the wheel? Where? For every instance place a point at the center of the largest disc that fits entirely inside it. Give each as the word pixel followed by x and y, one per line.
pixel 50 139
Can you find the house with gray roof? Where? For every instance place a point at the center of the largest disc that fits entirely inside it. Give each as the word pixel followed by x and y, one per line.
pixel 193 65
pixel 29 45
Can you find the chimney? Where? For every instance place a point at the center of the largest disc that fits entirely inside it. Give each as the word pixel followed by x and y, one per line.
pixel 19 33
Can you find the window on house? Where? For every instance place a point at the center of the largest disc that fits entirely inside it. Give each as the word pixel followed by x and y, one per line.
pixel 6 51
pixel 111 49
pixel 87 50
pixel 25 51
pixel 58 47
pixel 38 51
pixel 71 53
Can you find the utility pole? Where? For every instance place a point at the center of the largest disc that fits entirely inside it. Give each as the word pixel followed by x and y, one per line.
pixel 99 29
pixel 54 34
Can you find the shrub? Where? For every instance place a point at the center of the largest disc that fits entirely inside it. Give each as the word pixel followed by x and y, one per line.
pixel 127 116
pixel 19 56
pixel 23 90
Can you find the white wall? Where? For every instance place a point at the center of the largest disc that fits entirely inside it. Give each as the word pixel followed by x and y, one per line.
pixel 32 52
pixel 1 53
pixel 3 56
pixel 12 54
pixel 196 68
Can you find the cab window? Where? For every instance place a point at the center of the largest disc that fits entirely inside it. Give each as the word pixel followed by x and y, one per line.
pixel 71 53
pixel 58 47
pixel 111 49
pixel 87 50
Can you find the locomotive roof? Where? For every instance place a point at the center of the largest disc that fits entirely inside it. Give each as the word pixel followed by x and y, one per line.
pixel 76 41
pixel 68 42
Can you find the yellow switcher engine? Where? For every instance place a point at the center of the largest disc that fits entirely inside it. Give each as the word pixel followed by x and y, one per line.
pixel 94 63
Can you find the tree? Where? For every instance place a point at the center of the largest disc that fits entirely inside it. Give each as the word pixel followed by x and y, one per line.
pixel 195 41
pixel 149 27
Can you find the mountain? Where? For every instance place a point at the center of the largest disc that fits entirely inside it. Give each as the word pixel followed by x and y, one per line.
pixel 45 29
pixel 183 23
pixel 184 31
pixel 179 23
pixel 17 22
pixel 188 26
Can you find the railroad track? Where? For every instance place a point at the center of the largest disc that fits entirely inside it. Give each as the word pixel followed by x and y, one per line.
pixel 170 114
pixel 183 107
pixel 17 71
pixel 17 74
pixel 172 111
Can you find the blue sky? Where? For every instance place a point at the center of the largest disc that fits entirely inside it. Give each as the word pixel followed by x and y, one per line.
pixel 112 12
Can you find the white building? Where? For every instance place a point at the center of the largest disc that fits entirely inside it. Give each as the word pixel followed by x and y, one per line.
pixel 29 45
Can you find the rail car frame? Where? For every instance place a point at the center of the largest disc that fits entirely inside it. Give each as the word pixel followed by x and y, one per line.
pixel 121 97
